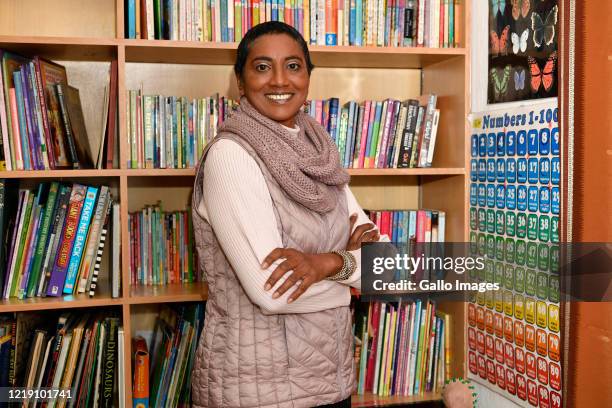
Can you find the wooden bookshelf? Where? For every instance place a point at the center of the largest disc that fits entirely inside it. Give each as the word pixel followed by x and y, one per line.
pixel 87 34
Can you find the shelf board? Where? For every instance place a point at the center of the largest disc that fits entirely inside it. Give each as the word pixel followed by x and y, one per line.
pixel 426 171
pixel 65 302
pixel 188 292
pixel 186 52
pixel 370 400
pixel 62 48
pixel 190 172
pixel 36 174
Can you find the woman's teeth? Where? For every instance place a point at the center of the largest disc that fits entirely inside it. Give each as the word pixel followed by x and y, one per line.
pixel 279 97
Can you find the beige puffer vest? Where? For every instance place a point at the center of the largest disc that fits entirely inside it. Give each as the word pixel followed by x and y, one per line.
pixel 248 359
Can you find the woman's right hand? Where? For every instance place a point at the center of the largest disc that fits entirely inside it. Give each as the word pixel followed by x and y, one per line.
pixel 363 233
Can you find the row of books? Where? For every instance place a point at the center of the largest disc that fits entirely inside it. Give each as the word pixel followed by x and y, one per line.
pixel 53 237
pixel 396 23
pixel 171 131
pixel 41 118
pixel 402 348
pixel 413 231
pixel 163 364
pixel 82 354
pixel 381 134
pixel 161 247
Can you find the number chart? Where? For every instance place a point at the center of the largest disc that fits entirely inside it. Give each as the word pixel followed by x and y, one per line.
pixel 514 345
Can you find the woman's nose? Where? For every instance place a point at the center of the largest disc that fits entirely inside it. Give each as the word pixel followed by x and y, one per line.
pixel 279 77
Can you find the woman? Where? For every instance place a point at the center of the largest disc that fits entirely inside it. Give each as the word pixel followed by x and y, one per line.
pixel 273 232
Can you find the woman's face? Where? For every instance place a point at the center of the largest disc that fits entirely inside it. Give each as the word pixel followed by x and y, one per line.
pixel 275 79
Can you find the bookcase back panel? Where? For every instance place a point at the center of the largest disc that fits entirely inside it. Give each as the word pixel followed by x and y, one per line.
pixel 90 78
pixel 173 192
pixel 447 194
pixel 181 79
pixel 364 83
pixel 388 193
pixel 447 79
pixel 68 18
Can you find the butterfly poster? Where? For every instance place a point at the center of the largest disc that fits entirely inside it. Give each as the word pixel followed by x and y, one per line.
pixel 523 50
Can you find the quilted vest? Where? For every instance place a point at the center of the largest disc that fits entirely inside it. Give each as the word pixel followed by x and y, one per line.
pixel 248 359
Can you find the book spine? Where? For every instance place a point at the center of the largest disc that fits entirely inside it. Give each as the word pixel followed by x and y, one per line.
pixel 62 259
pixel 31 129
pixel 14 119
pixel 29 247
pixel 20 120
pixel 92 282
pixel 416 139
pixel 74 158
pixel 141 374
pixel 37 115
pixel 21 237
pixel 79 240
pixel 42 245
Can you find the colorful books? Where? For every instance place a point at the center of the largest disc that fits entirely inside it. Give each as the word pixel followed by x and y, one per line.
pixel 161 247
pixel 51 237
pixel 401 348
pixel 41 118
pixel 171 132
pixel 381 134
pixel 409 23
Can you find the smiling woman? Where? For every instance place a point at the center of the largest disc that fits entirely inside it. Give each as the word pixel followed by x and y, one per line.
pixel 275 239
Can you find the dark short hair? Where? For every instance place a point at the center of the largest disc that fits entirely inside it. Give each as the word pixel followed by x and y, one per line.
pixel 270 27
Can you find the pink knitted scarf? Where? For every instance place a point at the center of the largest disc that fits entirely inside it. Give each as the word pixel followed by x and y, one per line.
pixel 307 171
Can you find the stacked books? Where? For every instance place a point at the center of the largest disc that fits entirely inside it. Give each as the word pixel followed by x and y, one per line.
pixel 83 354
pixel 52 238
pixel 402 348
pixel 381 134
pixel 171 131
pixel 163 367
pixel 395 23
pixel 161 247
pixel 41 118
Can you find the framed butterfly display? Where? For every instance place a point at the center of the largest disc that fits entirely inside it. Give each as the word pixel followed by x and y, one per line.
pixel 523 42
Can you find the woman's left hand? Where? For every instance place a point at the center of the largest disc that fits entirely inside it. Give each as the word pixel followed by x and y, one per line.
pixel 306 269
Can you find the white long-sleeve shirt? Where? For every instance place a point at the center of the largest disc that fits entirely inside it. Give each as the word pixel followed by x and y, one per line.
pixel 237 203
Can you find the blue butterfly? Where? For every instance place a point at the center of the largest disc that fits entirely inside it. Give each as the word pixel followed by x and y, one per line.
pixel 519 79
pixel 498 6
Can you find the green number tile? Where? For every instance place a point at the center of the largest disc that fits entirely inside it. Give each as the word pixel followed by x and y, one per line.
pixel 554 229
pixel 482 220
pixel 500 226
pixel 508 303
pixel 499 248
pixel 480 298
pixel 473 243
pixel 521 225
pixel 543 257
pixel 490 221
pixel 509 277
pixel 510 250
pixel 510 224
pixel 499 273
pixel 490 272
pixel 532 255
pixel 482 244
pixel 491 246
pixel 532 227
pixel 473 219
pixel 542 285
pixel 553 288
pixel 519 279
pixel 530 282
pixel 521 252
pixel 554 258
pixel 544 228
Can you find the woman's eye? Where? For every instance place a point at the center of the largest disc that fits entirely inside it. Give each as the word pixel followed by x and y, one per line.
pixel 261 67
pixel 293 66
